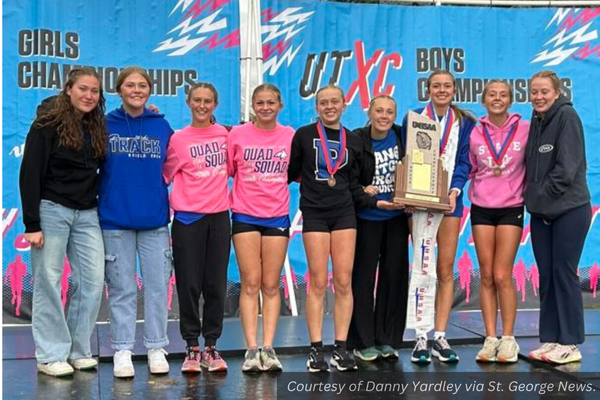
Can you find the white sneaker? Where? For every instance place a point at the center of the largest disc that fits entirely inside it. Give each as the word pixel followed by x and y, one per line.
pixel 543 349
pixel 123 367
pixel 157 362
pixel 252 361
pixel 488 351
pixel 57 368
pixel 508 350
pixel 83 364
pixel 562 354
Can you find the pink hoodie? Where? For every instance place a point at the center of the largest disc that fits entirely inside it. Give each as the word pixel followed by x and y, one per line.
pixel 506 190
pixel 197 165
pixel 258 161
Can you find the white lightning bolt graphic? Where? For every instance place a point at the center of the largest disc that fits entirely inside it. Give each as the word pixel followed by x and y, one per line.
pixel 560 15
pixel 274 32
pixel 272 64
pixel 205 24
pixel 286 23
pixel 579 36
pixel 569 41
pixel 184 44
pixel 558 56
pixel 185 3
pixel 287 17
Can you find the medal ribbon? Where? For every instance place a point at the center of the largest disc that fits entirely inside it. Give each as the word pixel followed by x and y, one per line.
pixel 325 146
pixel 449 121
pixel 497 157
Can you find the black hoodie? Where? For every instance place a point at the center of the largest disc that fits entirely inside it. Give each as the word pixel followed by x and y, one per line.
pixel 555 161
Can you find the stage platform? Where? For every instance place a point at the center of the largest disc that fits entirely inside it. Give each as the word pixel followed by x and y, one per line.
pixel 21 380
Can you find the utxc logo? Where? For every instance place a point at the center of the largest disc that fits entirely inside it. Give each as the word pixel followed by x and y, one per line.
pixel 574 36
pixel 378 61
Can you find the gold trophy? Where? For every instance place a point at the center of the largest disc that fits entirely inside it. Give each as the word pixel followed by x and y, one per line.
pixel 421 181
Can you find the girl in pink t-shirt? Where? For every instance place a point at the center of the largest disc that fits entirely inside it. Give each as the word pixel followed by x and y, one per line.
pixel 258 158
pixel 197 166
pixel 497 154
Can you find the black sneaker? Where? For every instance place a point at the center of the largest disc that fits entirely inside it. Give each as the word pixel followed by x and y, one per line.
pixel 316 360
pixel 443 351
pixel 342 360
pixel 420 354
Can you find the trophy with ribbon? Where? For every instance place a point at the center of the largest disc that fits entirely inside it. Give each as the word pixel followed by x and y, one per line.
pixel 421 181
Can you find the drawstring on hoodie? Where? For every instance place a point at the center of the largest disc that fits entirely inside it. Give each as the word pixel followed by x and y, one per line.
pixel 129 126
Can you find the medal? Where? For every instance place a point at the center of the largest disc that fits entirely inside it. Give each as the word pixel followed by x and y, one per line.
pixel 449 117
pixel 332 168
pixel 497 157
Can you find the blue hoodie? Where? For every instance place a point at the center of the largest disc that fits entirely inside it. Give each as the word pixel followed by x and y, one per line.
pixel 133 193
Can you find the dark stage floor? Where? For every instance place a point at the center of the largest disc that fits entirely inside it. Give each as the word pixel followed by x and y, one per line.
pixel 21 380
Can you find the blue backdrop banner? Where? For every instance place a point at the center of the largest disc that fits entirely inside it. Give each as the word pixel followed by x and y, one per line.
pixel 365 49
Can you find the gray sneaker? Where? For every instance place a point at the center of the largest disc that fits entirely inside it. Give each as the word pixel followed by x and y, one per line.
pixel 252 361
pixel 269 360
pixel 508 350
pixel 488 351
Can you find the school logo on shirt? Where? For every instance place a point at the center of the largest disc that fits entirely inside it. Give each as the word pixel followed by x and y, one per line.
pixel 546 148
pixel 321 173
pixel 135 147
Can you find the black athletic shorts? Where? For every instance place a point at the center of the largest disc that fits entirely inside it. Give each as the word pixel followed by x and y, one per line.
pixel 329 224
pixel 497 216
pixel 241 227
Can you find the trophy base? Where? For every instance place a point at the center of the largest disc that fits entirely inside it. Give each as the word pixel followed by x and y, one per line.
pixel 423 202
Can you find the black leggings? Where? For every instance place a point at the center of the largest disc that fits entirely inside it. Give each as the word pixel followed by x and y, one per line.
pixel 381 320
pixel 201 257
pixel 557 246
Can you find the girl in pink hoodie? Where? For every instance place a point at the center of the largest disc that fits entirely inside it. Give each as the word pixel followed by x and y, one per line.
pixel 258 157
pixel 197 166
pixel 497 154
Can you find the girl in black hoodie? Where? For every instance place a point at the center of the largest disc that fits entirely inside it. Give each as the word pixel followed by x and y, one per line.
pixel 558 199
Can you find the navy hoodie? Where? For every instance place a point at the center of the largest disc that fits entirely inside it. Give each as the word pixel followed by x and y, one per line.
pixel 133 193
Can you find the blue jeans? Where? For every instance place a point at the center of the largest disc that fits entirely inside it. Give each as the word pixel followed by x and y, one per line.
pixel 156 264
pixel 77 234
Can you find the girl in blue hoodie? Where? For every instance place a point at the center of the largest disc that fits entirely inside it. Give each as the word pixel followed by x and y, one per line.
pixel 134 213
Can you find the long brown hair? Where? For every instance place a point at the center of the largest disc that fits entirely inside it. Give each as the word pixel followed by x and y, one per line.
pixel 457 110
pixel 61 114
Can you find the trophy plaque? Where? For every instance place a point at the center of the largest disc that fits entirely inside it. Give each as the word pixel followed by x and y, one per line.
pixel 421 180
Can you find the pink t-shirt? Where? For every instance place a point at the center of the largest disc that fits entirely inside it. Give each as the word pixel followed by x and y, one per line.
pixel 197 165
pixel 258 161
pixel 506 190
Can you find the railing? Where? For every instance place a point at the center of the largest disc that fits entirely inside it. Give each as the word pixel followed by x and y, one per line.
pixel 502 3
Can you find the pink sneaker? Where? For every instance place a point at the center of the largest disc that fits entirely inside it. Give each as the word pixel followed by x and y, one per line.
pixel 212 360
pixel 192 360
